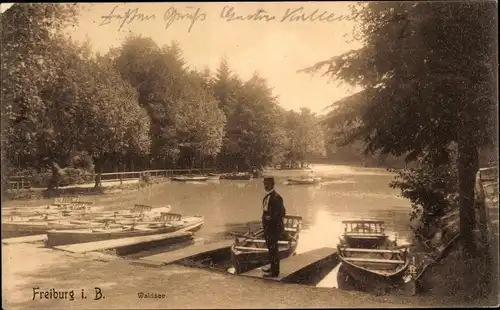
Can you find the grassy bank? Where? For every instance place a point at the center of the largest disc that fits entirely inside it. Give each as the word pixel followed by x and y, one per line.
pixel 465 281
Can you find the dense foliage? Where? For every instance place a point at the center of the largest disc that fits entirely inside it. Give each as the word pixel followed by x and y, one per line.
pixel 428 72
pixel 67 111
pixel 432 190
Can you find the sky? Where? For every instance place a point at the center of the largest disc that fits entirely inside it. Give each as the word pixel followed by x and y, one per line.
pixel 275 48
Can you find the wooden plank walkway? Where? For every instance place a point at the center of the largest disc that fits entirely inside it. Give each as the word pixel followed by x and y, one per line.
pixel 294 263
pixel 187 252
pixel 118 243
pixel 25 239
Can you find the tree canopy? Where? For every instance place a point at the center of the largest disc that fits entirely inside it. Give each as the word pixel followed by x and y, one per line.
pixel 427 70
pixel 139 105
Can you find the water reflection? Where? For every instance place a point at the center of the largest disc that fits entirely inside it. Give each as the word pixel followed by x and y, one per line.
pixel 348 193
pixel 322 231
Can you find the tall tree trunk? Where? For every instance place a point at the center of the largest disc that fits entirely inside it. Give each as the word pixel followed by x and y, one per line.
pixel 54 179
pixel 98 171
pixel 193 159
pixel 467 167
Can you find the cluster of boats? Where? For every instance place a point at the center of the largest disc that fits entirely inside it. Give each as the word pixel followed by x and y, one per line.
pixel 303 180
pixel 70 221
pixel 368 257
pixel 366 253
pixel 213 176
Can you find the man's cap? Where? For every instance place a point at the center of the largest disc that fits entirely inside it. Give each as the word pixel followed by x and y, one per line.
pixel 268 178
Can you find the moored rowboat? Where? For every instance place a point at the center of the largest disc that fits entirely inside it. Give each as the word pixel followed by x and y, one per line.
pixel 369 260
pixel 36 227
pixel 364 234
pixel 374 268
pixel 138 211
pixel 250 251
pixel 172 222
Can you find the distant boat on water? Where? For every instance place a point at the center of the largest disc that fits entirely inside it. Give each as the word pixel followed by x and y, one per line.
pixel 213 176
pixel 237 176
pixel 303 181
pixel 189 178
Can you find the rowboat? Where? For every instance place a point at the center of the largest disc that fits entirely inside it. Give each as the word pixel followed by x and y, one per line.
pixel 250 251
pixel 170 222
pixel 373 269
pixel 367 234
pixel 138 211
pixel 62 207
pixel 213 176
pixel 189 178
pixel 303 181
pixel 22 228
pixel 236 176
pixel 369 260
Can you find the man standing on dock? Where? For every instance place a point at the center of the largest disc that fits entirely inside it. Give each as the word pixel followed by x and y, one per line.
pixel 272 222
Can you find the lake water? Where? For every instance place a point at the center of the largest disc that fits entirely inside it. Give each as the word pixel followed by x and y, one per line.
pixel 347 193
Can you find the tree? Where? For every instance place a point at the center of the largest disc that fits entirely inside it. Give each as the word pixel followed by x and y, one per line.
pixel 28 63
pixel 305 136
pixel 158 76
pixel 256 137
pixel 31 58
pixel 199 122
pixel 226 86
pixel 116 125
pixel 427 70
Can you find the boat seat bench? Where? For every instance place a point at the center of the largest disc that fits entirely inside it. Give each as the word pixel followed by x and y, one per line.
pixel 264 241
pixel 373 260
pixel 251 249
pixel 365 236
pixel 370 250
pixel 257 249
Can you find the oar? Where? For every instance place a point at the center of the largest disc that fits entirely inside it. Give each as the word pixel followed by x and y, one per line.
pixel 241 235
pixel 246 237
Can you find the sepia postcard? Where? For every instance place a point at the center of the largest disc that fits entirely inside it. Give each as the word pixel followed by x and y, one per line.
pixel 249 155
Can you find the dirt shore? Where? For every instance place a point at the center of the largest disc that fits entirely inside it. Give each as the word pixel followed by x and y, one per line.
pixel 25 266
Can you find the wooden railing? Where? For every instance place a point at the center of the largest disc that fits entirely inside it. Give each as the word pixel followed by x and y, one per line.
pixel 20 184
pixel 486 189
pixel 24 182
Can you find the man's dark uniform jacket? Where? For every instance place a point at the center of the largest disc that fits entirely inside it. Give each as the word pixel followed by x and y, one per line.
pixel 273 226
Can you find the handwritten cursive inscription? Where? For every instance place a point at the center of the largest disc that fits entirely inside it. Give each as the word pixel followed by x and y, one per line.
pixel 229 15
pixel 172 15
pixel 298 15
pixel 127 18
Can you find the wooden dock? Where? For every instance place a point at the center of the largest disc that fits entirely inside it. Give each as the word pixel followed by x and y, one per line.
pixel 26 239
pixel 121 243
pixel 185 253
pixel 294 264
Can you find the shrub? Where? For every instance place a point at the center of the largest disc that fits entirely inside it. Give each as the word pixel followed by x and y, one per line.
pixel 74 176
pixel 71 176
pixel 433 192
